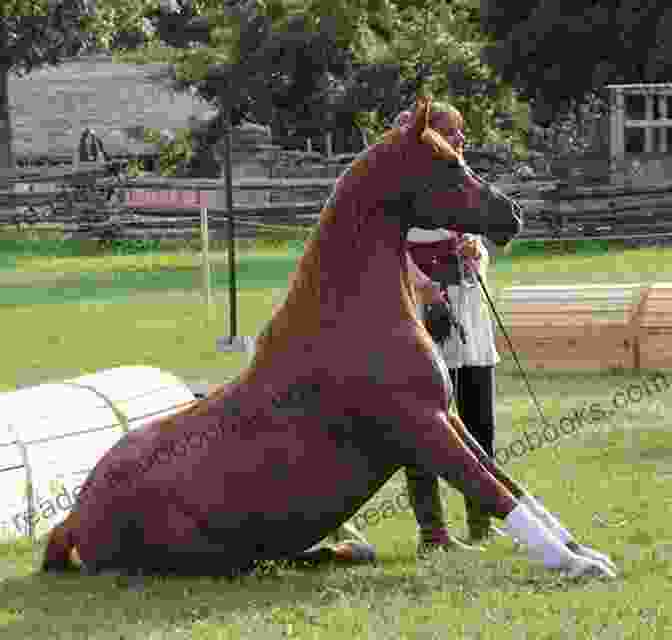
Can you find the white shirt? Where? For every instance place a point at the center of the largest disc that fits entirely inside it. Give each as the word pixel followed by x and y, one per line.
pixel 470 309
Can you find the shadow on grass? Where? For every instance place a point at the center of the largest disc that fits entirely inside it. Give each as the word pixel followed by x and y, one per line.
pixel 69 605
pixel 46 606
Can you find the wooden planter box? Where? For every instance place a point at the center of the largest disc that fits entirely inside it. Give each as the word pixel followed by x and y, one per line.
pixel 572 327
pixel 655 333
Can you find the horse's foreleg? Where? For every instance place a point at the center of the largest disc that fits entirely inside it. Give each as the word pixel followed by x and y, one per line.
pixel 524 496
pixel 514 487
pixel 439 449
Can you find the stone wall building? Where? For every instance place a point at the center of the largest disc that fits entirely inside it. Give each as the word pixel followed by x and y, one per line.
pixel 53 105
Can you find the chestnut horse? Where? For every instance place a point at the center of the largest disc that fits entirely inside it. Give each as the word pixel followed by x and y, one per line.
pixel 344 389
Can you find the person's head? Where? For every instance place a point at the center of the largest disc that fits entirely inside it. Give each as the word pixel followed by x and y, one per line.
pixel 453 196
pixel 445 119
pixel 449 122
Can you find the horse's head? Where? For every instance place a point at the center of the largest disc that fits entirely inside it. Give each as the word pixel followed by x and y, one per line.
pixel 438 189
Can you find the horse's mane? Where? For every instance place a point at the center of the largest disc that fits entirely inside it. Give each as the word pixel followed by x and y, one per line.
pixel 298 317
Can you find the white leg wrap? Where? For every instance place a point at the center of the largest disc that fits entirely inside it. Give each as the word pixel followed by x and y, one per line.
pixel 560 532
pixel 547 518
pixel 541 543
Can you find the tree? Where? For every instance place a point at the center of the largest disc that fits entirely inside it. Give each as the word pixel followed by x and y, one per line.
pixel 559 54
pixel 32 34
pixel 325 66
pixel 439 46
pixel 263 63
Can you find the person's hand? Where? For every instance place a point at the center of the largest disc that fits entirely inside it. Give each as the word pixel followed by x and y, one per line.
pixel 471 248
pixel 436 295
pixel 431 293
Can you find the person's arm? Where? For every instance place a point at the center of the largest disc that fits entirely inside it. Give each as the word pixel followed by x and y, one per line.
pixel 484 257
pixel 428 290
pixel 483 264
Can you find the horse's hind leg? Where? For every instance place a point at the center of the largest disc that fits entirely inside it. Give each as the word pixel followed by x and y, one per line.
pixel 140 542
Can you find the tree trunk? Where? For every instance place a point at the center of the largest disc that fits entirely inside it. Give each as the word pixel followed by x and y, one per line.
pixel 6 154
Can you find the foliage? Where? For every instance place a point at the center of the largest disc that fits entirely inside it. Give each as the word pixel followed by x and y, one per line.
pixel 120 17
pixel 558 53
pixel 36 33
pixel 33 34
pixel 172 153
pixel 319 66
pixel 444 41
pixel 286 70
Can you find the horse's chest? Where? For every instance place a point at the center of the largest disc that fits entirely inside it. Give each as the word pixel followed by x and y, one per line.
pixel 385 368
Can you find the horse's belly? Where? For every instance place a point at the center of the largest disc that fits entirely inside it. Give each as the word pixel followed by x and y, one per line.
pixel 285 489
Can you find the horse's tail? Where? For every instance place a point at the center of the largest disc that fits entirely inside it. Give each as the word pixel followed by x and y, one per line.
pixel 60 553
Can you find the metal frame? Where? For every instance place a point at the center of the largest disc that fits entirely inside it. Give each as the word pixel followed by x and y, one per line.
pixel 619 122
pixel 122 422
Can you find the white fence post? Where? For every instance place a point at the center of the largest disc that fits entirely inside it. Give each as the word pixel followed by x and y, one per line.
pixel 648 130
pixel 205 261
pixel 620 120
pixel 662 108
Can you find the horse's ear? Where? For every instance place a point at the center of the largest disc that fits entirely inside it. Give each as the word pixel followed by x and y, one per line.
pixel 423 108
pixel 427 135
pixel 441 147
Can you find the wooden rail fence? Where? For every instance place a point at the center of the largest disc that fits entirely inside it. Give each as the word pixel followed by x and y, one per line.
pixel 82 200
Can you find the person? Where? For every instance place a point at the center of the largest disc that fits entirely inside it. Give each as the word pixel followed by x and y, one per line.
pixel 454 259
pixel 91 147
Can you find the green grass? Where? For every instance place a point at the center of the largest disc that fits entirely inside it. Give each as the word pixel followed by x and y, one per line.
pixel 610 482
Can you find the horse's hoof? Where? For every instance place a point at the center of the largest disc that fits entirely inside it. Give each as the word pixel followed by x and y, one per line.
pixel 586 567
pixel 591 554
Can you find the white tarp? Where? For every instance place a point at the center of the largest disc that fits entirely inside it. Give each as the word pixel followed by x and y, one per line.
pixel 51 436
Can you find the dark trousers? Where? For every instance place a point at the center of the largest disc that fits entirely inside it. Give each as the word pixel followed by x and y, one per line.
pixel 474 396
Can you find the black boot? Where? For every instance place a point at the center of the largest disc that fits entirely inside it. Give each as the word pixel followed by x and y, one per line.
pixel 478 522
pixel 423 494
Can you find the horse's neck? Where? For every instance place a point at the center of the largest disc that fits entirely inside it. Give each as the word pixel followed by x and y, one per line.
pixel 361 274
pixel 352 279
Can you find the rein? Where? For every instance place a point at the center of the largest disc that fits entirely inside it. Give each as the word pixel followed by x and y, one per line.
pixel 513 351
pixel 537 405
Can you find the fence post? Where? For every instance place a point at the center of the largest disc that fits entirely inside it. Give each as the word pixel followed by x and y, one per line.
pixel 330 144
pixel 662 108
pixel 233 311
pixel 648 131
pixel 616 133
pixel 205 257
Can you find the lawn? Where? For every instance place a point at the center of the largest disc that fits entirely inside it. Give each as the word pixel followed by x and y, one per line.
pixel 611 481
